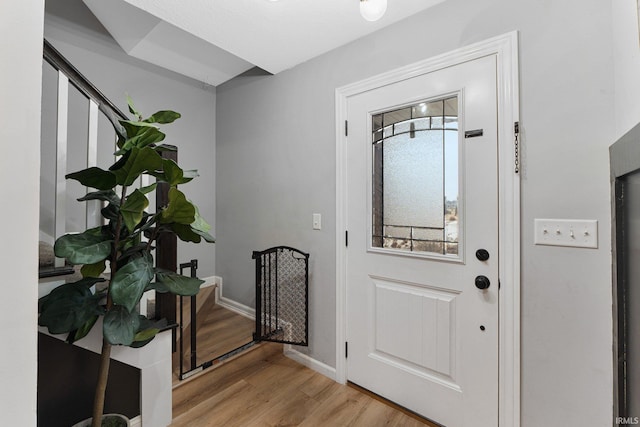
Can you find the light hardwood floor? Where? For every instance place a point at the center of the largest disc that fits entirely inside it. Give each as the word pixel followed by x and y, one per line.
pixel 218 330
pixel 262 387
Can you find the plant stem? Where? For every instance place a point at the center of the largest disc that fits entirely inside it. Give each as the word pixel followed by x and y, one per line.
pixel 154 236
pixel 105 355
pixel 101 386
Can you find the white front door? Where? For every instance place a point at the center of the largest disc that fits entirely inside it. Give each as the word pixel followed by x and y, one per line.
pixel 422 254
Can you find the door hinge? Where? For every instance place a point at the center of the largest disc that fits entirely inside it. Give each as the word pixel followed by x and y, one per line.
pixel 346 349
pixel 346 128
pixel 516 131
pixel 346 238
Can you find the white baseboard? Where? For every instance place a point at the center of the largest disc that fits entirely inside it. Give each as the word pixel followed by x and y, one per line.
pixel 310 362
pixel 210 281
pixel 241 309
pixel 136 422
pixel 229 304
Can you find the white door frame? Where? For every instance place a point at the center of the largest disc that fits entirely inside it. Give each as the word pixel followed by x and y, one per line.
pixel 505 47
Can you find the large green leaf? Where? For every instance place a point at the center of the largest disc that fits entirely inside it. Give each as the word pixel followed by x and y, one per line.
pixel 110 212
pixel 199 223
pixel 94 177
pixel 132 209
pixel 131 242
pixel 82 331
pixel 188 175
pixel 150 136
pixel 178 284
pixel 146 216
pixel 147 331
pixel 120 325
pixel 146 334
pixel 138 161
pixel 140 134
pixel 93 270
pixel 130 280
pixel 83 248
pixel 206 236
pixel 195 231
pixel 148 222
pixel 165 147
pixel 148 188
pixel 172 172
pixel 68 307
pixel 132 108
pixel 185 233
pixel 113 119
pixel 133 251
pixel 122 160
pixel 104 195
pixel 135 127
pixel 163 117
pixel 84 283
pixel 102 230
pixel 179 209
pixel 88 282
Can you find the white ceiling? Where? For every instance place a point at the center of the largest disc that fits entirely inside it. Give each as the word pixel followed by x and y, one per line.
pixel 215 40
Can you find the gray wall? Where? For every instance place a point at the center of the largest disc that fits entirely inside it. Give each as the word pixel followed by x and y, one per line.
pixel 276 166
pixel 626 62
pixel 76 33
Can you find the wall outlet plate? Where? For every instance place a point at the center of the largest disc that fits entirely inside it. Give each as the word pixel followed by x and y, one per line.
pixel 575 233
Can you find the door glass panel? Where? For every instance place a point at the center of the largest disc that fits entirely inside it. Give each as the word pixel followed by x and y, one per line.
pixel 415 178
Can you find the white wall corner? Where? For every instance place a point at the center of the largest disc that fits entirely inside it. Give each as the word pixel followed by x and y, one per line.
pixel 229 304
pixel 211 281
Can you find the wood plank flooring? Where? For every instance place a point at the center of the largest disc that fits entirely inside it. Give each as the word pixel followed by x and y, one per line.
pixel 264 388
pixel 219 331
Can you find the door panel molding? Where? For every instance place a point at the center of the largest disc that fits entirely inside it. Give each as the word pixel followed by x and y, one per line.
pixel 505 48
pixel 425 307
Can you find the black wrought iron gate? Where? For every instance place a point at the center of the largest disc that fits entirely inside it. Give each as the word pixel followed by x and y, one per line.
pixel 282 306
pixel 282 296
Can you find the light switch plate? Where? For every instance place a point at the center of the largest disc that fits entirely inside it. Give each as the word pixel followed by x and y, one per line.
pixel 575 233
pixel 317 221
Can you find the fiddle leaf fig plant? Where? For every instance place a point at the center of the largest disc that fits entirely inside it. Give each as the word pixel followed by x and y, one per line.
pixel 124 245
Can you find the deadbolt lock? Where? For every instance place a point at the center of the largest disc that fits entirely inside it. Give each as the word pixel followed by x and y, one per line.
pixel 482 254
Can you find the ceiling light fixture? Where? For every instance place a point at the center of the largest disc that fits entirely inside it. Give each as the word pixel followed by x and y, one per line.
pixel 372 10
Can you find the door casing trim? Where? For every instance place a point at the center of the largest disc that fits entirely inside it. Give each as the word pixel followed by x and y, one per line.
pixel 505 48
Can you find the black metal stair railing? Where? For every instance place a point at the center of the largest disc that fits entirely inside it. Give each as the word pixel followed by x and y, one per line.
pixel 69 75
pixel 60 63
